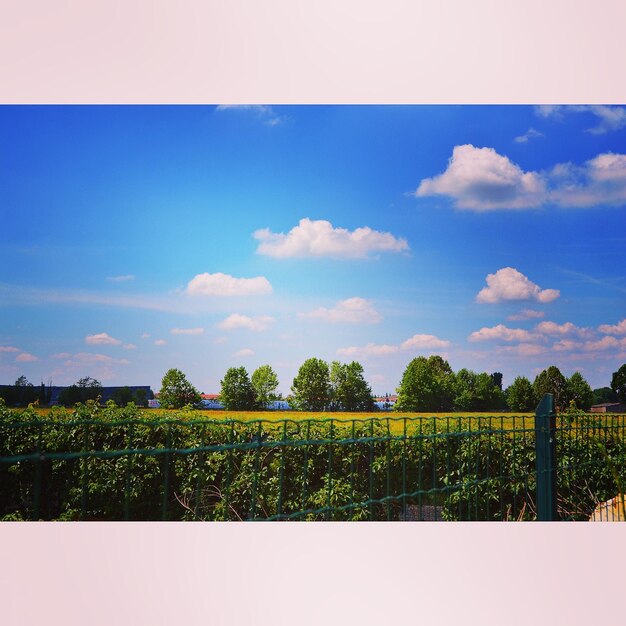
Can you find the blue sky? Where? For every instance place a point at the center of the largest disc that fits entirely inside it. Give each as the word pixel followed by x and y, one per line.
pixel 138 238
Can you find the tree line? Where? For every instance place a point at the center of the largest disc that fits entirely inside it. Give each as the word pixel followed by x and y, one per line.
pixel 427 384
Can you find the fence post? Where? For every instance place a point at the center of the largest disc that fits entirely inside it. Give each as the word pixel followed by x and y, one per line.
pixel 545 451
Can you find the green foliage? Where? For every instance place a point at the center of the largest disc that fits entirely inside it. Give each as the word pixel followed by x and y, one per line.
pixel 520 396
pixel 618 383
pixel 237 392
pixel 123 396
pixel 552 381
pixel 21 393
pixel 476 392
pixel 85 389
pixel 265 382
pixel 177 391
pixel 579 392
pixel 427 385
pixel 349 389
pixel 604 395
pixel 311 389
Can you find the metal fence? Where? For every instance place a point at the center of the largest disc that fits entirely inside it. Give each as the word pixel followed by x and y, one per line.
pixel 118 464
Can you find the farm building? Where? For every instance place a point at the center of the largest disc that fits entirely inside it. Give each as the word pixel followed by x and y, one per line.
pixel 609 407
pixel 386 402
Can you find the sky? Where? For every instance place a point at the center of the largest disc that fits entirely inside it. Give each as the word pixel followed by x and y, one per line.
pixel 134 239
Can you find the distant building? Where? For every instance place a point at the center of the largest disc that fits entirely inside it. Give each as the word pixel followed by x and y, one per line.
pixel 386 402
pixel 211 401
pixel 609 407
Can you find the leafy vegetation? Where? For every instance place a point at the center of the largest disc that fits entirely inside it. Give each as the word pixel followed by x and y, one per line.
pixel 176 391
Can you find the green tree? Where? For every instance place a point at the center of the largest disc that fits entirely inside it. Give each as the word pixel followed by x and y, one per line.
pixel 476 392
pixel 349 389
pixel 552 381
pixel 579 392
pixel 140 397
pixel 427 385
pixel 86 388
pixel 237 392
pixel 177 391
pixel 265 382
pixel 520 396
pixel 122 396
pixel 603 395
pixel 618 383
pixel 311 390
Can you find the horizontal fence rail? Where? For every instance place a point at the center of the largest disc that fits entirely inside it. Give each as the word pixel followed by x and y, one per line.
pixel 105 464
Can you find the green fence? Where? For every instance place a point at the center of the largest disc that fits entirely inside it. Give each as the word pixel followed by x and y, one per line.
pixel 119 464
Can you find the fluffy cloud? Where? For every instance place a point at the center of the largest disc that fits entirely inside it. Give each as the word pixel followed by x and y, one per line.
pixel 219 284
pixel 9 349
pixel 187 331
pixel 480 179
pixel 523 349
pixel 416 342
pixel 551 328
pixel 424 342
pixel 102 339
pixel 129 346
pixel 525 314
pixel 531 133
pixel 318 238
pixel 501 332
pixel 26 357
pixel 159 342
pixel 236 320
pixel 616 329
pixel 244 352
pixel 350 311
pixel 610 118
pixel 510 284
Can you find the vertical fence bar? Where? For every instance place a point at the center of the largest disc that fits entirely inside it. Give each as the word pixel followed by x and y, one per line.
pixel 545 450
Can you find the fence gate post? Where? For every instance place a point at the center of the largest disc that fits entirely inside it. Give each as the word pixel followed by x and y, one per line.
pixel 545 450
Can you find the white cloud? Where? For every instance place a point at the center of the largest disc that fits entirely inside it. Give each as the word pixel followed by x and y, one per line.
pixel 610 118
pixel 129 346
pixel 160 342
pixel 318 238
pixel 220 284
pixel 187 331
pixel 501 332
pixel 523 349
pixel 525 314
pixel 102 339
pixel 120 279
pixel 145 335
pixel 350 311
pixel 480 179
pixel 531 133
pixel 9 349
pixel 416 342
pixel 551 328
pixel 244 352
pixel 424 342
pixel 26 357
pixel 262 111
pixel 510 284
pixel 616 329
pixel 236 320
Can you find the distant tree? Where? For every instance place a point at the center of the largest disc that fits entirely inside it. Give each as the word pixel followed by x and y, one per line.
pixel 177 391
pixel 122 396
pixel 311 390
pixel 349 389
pixel 552 381
pixel 520 396
pixel 237 393
pixel 140 397
pixel 496 379
pixel 604 395
pixel 265 382
pixel 579 392
pixel 476 392
pixel 85 389
pixel 618 383
pixel 427 385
